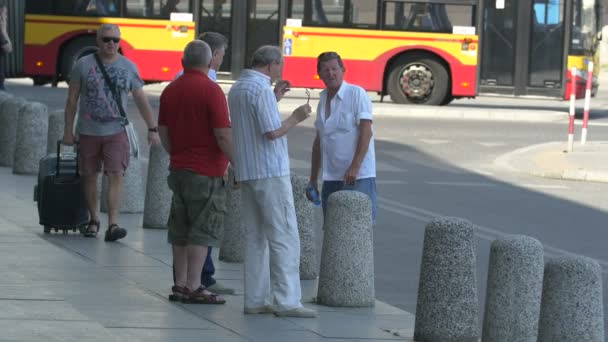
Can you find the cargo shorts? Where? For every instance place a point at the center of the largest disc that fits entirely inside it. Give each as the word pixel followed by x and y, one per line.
pixel 197 209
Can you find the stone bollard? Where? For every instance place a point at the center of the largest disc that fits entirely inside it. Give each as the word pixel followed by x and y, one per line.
pixel 133 190
pixel 9 112
pixel 30 141
pixel 515 284
pixel 56 127
pixel 571 307
pixel 158 195
pixel 347 260
pixel 306 228
pixel 232 248
pixel 447 306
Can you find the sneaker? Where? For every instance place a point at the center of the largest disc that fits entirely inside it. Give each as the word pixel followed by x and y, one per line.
pixel 220 289
pixel 179 293
pixel 266 309
pixel 297 312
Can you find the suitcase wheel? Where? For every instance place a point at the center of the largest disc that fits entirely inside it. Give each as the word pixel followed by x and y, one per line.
pixel 65 231
pixel 47 230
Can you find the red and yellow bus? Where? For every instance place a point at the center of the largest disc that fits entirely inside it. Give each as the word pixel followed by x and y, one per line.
pixel 58 32
pixel 433 51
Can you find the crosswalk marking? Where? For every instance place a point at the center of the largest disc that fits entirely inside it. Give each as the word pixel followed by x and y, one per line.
pixel 389 182
pixel 472 184
pixel 491 143
pixel 435 141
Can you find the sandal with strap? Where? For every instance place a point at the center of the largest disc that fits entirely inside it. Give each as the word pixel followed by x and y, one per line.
pixel 90 232
pixel 179 293
pixel 203 296
pixel 114 233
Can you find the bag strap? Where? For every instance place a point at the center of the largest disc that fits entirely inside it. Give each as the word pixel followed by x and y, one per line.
pixel 112 88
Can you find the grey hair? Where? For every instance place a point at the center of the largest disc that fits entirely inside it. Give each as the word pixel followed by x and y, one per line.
pixel 107 27
pixel 196 54
pixel 266 55
pixel 215 40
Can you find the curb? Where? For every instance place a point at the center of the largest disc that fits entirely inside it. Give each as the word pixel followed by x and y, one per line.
pixel 575 175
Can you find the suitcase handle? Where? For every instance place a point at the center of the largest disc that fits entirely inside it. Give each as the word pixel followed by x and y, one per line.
pixel 76 144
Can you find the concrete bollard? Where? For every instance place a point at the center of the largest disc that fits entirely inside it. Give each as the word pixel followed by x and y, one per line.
pixel 232 248
pixel 447 306
pixel 306 228
pixel 56 127
pixel 515 284
pixel 346 277
pixel 30 141
pixel 132 198
pixel 571 307
pixel 9 112
pixel 158 195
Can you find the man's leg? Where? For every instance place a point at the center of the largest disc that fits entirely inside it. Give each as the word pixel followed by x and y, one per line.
pixel 368 187
pixel 208 270
pixel 89 187
pixel 180 265
pixel 284 243
pixel 257 268
pixel 196 258
pixel 114 191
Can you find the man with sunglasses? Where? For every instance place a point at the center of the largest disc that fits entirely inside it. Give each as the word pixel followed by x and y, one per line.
pixel 102 136
pixel 344 143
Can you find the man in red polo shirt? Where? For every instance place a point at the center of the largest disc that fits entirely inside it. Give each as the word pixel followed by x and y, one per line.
pixel 194 128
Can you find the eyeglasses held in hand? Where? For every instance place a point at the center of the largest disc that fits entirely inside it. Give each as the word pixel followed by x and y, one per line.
pixel 110 39
pixel 307 96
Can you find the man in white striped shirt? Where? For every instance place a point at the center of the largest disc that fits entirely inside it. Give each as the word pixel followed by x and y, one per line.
pixel 272 243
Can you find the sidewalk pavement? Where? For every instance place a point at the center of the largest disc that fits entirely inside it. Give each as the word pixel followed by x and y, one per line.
pixel 587 162
pixel 64 287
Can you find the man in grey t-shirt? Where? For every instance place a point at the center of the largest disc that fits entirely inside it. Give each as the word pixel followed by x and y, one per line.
pixel 100 126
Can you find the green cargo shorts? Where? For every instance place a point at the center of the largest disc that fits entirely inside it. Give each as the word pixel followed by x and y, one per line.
pixel 197 209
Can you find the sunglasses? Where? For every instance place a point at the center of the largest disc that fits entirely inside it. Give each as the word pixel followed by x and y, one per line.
pixel 110 39
pixel 307 96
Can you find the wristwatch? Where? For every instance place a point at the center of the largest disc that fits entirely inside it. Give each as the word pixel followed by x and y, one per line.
pixel 153 129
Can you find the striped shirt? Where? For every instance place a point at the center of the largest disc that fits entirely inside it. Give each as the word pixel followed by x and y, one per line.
pixel 254 112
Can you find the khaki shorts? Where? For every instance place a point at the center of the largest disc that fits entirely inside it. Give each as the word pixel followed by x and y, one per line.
pixel 197 209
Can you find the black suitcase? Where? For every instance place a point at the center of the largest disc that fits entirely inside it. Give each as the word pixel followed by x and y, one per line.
pixel 61 203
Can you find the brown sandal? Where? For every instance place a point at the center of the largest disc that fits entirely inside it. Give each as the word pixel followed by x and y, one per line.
pixel 92 232
pixel 180 293
pixel 203 296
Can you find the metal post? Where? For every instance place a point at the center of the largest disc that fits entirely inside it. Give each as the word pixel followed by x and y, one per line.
pixel 572 109
pixel 587 103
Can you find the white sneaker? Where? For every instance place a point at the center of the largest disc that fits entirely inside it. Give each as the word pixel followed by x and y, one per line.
pixel 297 312
pixel 266 309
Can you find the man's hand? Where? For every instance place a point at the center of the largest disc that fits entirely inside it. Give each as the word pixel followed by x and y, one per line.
pixel 153 138
pixel 68 138
pixel 281 88
pixel 350 177
pixel 303 112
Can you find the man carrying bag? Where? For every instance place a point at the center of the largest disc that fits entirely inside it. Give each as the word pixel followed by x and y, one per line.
pixel 102 83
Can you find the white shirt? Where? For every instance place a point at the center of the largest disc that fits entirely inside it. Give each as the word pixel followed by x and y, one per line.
pixel 339 134
pixel 254 112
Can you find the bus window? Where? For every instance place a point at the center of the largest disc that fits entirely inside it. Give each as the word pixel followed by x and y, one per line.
pixel 349 13
pixel 155 9
pixel 584 27
pixel 426 17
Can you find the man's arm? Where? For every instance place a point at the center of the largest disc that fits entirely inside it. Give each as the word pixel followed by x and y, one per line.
pixel 141 101
pixel 315 160
pixel 223 136
pixel 365 135
pixel 70 111
pixel 300 114
pixel 163 133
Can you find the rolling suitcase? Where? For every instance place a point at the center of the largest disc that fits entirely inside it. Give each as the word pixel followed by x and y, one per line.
pixel 61 203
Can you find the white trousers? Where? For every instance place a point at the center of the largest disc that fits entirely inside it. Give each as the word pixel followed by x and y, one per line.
pixel 272 244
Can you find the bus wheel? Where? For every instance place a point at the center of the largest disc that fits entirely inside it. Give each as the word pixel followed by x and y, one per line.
pixel 418 78
pixel 75 49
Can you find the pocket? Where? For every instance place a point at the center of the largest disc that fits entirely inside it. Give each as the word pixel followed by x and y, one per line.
pixel 346 122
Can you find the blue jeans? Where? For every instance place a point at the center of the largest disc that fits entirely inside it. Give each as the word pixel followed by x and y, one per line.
pixel 208 271
pixel 365 185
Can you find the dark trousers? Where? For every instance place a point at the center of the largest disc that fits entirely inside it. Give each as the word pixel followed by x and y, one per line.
pixel 207 273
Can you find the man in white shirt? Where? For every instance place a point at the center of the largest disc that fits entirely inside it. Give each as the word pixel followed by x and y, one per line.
pixel 344 143
pixel 218 44
pixel 272 242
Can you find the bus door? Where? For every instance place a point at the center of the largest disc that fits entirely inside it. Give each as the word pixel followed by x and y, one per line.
pixel 523 47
